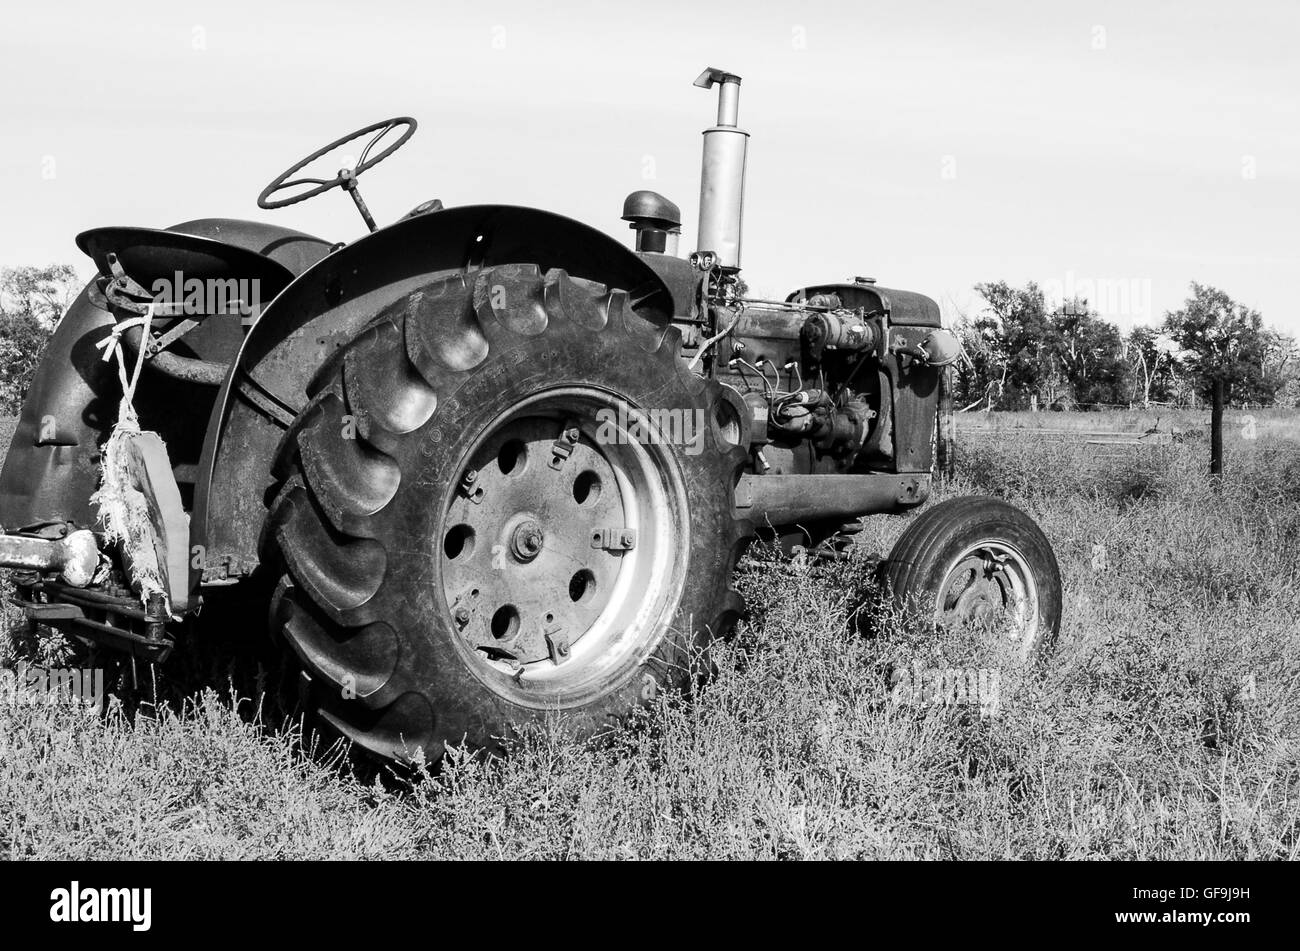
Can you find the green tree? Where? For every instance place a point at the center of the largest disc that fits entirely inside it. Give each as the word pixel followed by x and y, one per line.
pixel 1152 357
pixel 1090 352
pixel 1225 348
pixel 1019 343
pixel 31 301
pixel 975 378
pixel 1282 369
pixel 1220 340
pixel 1019 351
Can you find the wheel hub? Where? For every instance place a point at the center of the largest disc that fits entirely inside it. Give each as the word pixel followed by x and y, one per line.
pixel 556 550
pixel 526 540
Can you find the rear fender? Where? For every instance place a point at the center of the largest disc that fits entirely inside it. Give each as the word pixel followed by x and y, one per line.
pixel 52 466
pixel 326 306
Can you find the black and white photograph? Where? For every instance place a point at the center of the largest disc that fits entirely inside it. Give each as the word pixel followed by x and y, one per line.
pixel 649 433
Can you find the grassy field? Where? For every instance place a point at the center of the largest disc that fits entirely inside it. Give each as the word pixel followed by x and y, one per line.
pixel 1164 724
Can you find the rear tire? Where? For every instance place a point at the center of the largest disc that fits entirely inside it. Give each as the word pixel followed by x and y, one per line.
pixel 457 562
pixel 979 559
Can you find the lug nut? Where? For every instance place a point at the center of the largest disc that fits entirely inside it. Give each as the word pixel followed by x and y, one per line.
pixel 527 540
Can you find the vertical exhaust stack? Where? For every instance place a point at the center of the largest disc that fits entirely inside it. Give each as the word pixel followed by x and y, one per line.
pixel 722 176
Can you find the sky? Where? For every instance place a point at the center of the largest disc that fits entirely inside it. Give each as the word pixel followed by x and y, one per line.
pixel 1120 150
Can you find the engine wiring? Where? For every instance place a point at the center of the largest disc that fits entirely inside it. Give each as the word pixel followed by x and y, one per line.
pixel 798 374
pixel 708 344
pixel 782 403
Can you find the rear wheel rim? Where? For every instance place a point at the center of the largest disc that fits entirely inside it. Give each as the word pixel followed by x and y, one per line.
pixel 559 547
pixel 991 583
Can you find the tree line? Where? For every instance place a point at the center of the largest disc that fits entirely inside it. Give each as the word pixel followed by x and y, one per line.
pixel 1018 351
pixel 1022 354
pixel 32 299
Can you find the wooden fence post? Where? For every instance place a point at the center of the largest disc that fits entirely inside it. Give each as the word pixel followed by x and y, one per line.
pixel 1216 432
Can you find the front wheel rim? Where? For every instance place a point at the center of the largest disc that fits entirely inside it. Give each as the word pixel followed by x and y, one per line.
pixel 991 583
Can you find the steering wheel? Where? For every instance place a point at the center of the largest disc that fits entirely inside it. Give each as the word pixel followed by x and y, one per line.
pixel 345 178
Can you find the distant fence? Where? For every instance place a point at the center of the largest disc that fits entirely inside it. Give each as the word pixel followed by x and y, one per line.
pixel 1102 442
pixel 1100 448
pixel 1092 451
pixel 1091 437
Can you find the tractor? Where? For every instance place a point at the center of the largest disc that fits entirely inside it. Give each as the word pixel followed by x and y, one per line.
pixel 485 463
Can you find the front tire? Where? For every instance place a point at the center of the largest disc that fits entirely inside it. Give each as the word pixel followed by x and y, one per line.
pixel 482 521
pixel 979 560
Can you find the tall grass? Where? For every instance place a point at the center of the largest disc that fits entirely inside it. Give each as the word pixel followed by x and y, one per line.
pixel 1164 724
